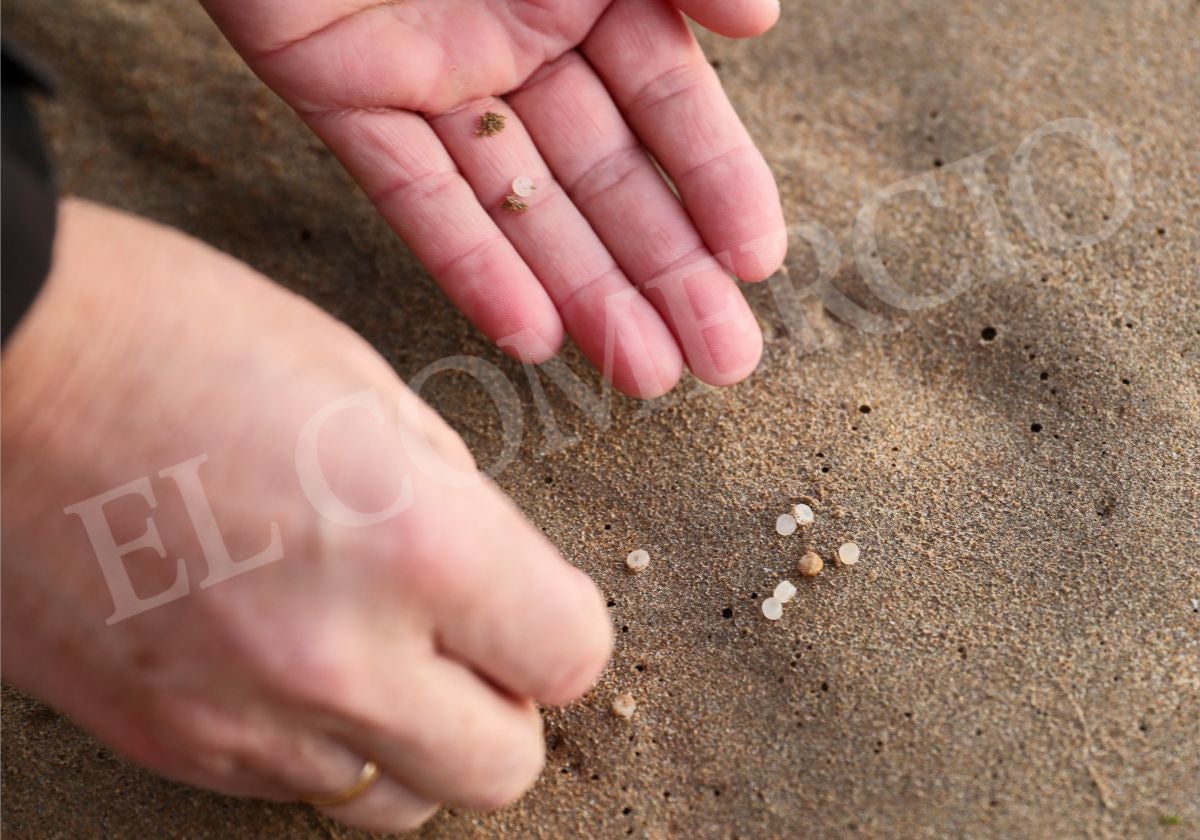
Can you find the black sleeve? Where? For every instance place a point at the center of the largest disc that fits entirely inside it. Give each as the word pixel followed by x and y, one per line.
pixel 28 200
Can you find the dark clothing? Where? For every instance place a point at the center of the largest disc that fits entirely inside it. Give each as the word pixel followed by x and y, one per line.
pixel 27 193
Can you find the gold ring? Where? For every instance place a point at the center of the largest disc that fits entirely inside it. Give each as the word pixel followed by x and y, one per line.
pixel 367 776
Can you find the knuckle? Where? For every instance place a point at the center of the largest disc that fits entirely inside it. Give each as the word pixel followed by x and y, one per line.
pixel 308 664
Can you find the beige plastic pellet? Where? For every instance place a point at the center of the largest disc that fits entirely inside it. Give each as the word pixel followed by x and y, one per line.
pixel 785 525
pixel 803 514
pixel 637 560
pixel 772 609
pixel 623 706
pixel 848 553
pixel 811 564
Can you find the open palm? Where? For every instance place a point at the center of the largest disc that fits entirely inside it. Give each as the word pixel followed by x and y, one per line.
pixel 594 93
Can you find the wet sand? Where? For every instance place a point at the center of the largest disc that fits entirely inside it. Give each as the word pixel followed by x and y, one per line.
pixel 1018 652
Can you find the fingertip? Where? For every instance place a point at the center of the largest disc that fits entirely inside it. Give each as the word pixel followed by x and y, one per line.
pixel 592 649
pixel 625 338
pixel 532 333
pixel 755 261
pixel 731 357
pixel 535 340
pixel 738 19
pixel 658 375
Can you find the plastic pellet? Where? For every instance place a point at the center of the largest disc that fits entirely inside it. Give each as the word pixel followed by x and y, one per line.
pixel 638 560
pixel 803 514
pixel 523 186
pixel 785 591
pixel 785 524
pixel 811 564
pixel 623 706
pixel 772 609
pixel 848 553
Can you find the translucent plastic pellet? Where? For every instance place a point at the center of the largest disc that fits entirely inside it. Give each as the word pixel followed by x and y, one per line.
pixel 785 591
pixel 772 608
pixel 522 185
pixel 848 554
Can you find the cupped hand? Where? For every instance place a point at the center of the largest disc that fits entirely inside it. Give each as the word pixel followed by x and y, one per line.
pixel 595 93
pixel 181 384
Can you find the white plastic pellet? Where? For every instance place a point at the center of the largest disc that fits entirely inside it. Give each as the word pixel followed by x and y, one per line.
pixel 785 591
pixel 523 186
pixel 803 514
pixel 637 560
pixel 848 554
pixel 785 524
pixel 773 609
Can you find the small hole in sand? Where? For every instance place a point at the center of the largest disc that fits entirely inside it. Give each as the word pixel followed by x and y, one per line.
pixel 1035 427
pixel 988 333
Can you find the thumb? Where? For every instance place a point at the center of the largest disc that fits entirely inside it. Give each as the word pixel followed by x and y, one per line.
pixel 732 18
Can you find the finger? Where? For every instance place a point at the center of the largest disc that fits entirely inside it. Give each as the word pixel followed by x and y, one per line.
pixel 657 75
pixel 616 328
pixel 386 806
pixel 732 18
pixel 500 597
pixel 612 180
pixel 408 175
pixel 444 733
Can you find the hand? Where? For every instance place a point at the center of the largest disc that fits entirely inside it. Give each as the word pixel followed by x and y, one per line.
pixel 420 641
pixel 591 89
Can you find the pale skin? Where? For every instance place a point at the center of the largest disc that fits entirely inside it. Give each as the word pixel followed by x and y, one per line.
pixel 415 641
pixel 588 87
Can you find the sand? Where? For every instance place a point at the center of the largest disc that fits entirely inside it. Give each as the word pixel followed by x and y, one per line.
pixel 1017 654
